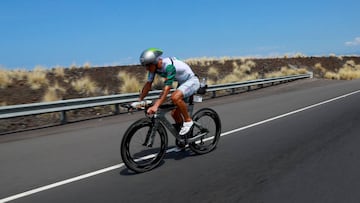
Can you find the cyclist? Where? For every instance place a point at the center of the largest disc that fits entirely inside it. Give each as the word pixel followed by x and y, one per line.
pixel 171 69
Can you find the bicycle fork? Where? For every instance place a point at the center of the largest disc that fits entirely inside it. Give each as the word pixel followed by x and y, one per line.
pixel 149 140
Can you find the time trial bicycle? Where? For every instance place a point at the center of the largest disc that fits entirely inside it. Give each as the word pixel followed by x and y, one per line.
pixel 144 143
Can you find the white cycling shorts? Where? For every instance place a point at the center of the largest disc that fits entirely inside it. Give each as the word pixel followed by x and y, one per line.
pixel 189 87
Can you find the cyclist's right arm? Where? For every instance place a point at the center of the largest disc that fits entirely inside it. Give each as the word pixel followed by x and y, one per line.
pixel 145 90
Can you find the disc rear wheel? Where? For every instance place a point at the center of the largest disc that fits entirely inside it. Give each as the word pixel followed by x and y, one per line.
pixel 207 123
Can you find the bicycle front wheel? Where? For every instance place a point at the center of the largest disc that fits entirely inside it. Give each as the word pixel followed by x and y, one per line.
pixel 209 125
pixel 140 151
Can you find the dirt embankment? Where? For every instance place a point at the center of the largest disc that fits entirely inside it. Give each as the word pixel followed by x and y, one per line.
pixel 107 82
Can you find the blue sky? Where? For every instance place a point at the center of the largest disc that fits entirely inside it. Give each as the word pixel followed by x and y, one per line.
pixel 115 32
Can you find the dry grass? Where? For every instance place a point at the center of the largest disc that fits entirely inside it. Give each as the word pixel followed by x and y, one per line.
pixel 18 74
pixel 299 55
pixel 51 95
pixel 349 71
pixel 241 72
pixel 202 62
pixel 223 60
pixel 319 70
pixel 59 71
pixel 5 79
pixel 284 71
pixel 54 93
pixel 37 78
pixel 213 72
pixel 106 92
pixel 331 75
pixel 85 86
pixel 129 84
pixel 73 66
pixel 87 65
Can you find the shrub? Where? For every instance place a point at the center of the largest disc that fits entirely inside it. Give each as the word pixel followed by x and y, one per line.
pixel 85 86
pixel 223 60
pixel 229 79
pixel 5 79
pixel 18 74
pixel 59 71
pixel 51 95
pixel 202 62
pixel 284 71
pixel 73 66
pixel 319 70
pixel 87 65
pixel 130 84
pixel 299 55
pixel 331 75
pixel 213 72
pixel 54 93
pixel 348 73
pixel 37 78
pixel 350 70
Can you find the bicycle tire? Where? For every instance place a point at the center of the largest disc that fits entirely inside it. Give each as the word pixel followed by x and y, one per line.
pixel 212 137
pixel 148 157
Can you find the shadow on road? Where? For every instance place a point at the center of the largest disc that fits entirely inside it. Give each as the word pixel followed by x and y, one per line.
pixel 175 155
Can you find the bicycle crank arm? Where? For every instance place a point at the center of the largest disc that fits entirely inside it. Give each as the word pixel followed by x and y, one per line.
pixel 196 138
pixel 193 139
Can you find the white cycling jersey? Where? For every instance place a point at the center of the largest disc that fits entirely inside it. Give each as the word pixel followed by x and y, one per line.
pixel 173 69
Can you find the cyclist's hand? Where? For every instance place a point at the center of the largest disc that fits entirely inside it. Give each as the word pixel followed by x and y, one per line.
pixel 141 104
pixel 138 105
pixel 152 110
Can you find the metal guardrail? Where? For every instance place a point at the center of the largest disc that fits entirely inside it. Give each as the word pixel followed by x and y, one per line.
pixel 72 104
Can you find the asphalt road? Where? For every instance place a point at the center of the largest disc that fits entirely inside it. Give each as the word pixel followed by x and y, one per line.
pixel 295 142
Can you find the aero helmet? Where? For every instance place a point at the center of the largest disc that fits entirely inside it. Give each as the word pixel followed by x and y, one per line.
pixel 150 56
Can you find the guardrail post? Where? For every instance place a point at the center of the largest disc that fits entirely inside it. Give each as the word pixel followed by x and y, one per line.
pixel 117 109
pixel 63 117
pixel 213 94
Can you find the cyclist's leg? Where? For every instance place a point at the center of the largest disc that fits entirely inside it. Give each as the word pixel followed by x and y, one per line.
pixel 178 99
pixel 176 114
pixel 185 90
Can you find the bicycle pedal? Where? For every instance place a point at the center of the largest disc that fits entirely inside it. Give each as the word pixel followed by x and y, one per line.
pixel 180 144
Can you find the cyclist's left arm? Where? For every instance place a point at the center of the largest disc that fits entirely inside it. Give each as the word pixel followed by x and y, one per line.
pixel 161 100
pixel 169 79
pixel 165 92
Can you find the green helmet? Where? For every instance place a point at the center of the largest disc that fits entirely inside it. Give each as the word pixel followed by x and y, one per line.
pixel 150 56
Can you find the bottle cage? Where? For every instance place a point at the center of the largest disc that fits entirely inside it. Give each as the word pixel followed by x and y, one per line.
pixel 202 90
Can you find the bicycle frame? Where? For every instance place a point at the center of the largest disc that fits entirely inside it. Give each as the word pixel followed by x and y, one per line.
pixel 159 117
pixel 152 132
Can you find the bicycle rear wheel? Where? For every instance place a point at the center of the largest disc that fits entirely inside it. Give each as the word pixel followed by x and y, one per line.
pixel 134 152
pixel 210 125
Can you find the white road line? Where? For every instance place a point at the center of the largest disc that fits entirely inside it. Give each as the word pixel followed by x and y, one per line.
pixel 64 182
pixel 288 114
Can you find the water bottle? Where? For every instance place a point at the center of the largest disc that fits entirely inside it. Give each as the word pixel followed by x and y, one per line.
pixel 203 82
